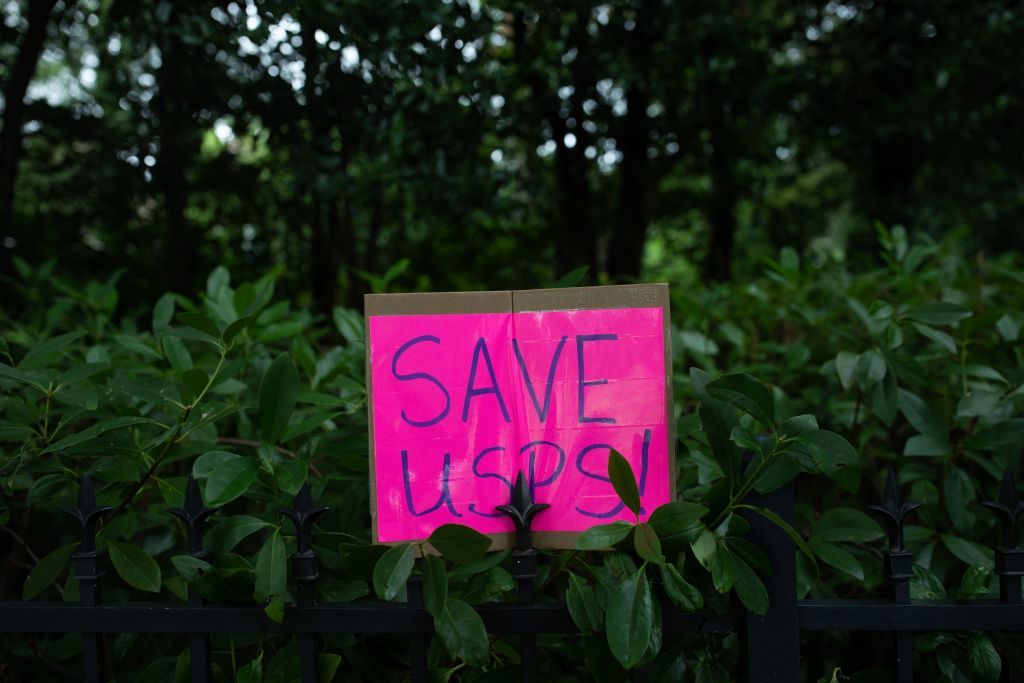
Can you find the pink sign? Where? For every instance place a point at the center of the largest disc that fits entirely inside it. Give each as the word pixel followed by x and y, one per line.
pixel 463 402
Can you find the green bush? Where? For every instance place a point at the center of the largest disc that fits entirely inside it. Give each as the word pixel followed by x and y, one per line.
pixel 917 364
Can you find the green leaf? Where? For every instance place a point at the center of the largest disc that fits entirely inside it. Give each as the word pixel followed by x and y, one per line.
pixel 274 609
pixel 942 313
pixel 698 343
pixel 271 568
pixel 435 585
pixel 327 666
pixel 937 336
pixel 136 345
pixel 676 517
pixel 885 397
pixel 603 536
pixel 749 588
pixel 573 278
pixel 198 321
pixel 983 657
pixel 290 475
pixel 976 582
pixel 236 328
pixel 225 476
pixel 135 566
pixel 921 416
pixel 623 480
pixel 39 353
pixel 46 571
pixel 7 372
pixel 163 312
pixel 480 566
pixel 679 590
pixel 849 525
pixel 195 381
pixel 925 585
pixel 743 438
pixel 463 633
pixel 190 568
pixel 647 544
pixel 583 605
pixel 459 543
pixel 251 672
pixel 837 557
pixel 836 458
pixel 846 365
pixel 925 445
pixel 705 548
pixel 153 389
pixel 92 432
pixel 784 525
pixel 629 619
pixel 80 372
pixel 967 551
pixel 1009 326
pixel 747 394
pixel 1005 433
pixel 798 425
pixel 231 531
pixel 717 419
pixel 392 571
pixel 723 569
pixel 278 391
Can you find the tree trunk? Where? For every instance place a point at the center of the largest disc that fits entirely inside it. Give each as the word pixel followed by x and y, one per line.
pixel 724 194
pixel 576 243
pixel 176 147
pixel 626 254
pixel 14 102
pixel 325 245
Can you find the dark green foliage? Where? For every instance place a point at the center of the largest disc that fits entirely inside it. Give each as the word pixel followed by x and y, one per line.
pixel 847 384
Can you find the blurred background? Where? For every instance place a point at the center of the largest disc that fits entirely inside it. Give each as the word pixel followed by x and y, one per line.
pixel 499 145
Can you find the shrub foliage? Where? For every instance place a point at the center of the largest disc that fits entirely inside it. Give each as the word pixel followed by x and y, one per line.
pixel 915 365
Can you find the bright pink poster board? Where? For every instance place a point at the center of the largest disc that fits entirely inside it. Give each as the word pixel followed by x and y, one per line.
pixel 463 402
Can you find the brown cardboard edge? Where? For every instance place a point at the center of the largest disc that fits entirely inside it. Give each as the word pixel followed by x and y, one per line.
pixel 654 295
pixel 437 303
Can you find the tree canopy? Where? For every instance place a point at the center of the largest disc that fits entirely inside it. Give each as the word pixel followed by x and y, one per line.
pixel 499 145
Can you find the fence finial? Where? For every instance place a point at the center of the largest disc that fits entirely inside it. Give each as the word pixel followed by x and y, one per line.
pixel 87 513
pixel 1008 509
pixel 521 511
pixel 303 513
pixel 193 513
pixel 894 511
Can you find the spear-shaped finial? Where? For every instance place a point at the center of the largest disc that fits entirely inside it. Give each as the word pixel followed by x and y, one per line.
pixel 303 513
pixel 521 511
pixel 1008 509
pixel 894 511
pixel 193 513
pixel 87 513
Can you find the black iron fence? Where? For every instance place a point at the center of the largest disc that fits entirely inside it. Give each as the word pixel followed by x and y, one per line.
pixel 769 643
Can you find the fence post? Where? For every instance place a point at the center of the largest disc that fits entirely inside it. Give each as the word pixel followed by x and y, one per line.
pixel 417 641
pixel 770 642
pixel 193 513
pixel 305 571
pixel 521 510
pixel 899 568
pixel 1009 556
pixel 87 565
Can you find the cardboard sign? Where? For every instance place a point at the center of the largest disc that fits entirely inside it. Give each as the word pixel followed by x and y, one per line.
pixel 469 389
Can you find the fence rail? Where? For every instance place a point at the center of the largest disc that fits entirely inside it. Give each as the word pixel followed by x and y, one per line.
pixel 770 643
